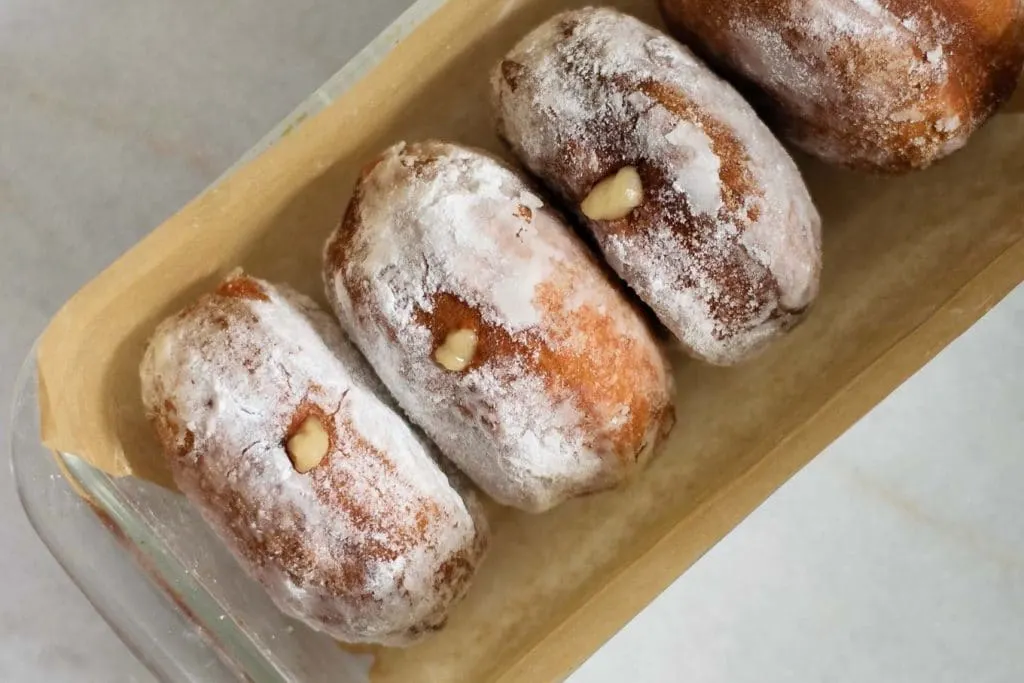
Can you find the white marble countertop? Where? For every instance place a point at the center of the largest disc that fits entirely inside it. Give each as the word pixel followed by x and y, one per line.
pixel 898 555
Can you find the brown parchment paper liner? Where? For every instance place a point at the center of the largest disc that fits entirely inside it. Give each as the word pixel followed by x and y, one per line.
pixel 910 263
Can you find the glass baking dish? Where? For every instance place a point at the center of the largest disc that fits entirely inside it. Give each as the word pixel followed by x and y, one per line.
pixel 144 558
pixel 175 596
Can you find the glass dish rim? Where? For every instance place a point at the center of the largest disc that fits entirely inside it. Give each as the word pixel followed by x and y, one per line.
pixel 95 487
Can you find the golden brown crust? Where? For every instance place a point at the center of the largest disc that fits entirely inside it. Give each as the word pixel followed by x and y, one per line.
pixel 590 378
pixel 890 87
pixel 725 246
pixel 555 340
pixel 372 544
pixel 242 287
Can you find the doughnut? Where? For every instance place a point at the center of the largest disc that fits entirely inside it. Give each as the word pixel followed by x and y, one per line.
pixel 275 429
pixel 878 85
pixel 689 196
pixel 495 328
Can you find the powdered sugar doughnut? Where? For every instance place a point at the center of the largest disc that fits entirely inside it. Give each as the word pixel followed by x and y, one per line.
pixel 885 85
pixel 495 329
pixel 372 544
pixel 714 228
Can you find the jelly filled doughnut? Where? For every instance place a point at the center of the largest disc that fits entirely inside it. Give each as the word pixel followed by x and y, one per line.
pixel 882 85
pixel 275 430
pixel 690 197
pixel 493 326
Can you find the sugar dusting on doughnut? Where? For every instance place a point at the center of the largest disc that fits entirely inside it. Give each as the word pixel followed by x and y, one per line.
pixel 886 88
pixel 886 85
pixel 566 390
pixel 374 544
pixel 726 246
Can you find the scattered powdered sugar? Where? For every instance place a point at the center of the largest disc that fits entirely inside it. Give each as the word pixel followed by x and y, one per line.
pixel 851 73
pixel 854 18
pixel 700 179
pixel 356 546
pixel 948 125
pixel 593 90
pixel 907 115
pixel 470 261
pixel 440 238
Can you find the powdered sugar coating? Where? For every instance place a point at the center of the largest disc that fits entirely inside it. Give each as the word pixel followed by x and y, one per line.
pixel 885 85
pixel 372 545
pixel 567 392
pixel 726 246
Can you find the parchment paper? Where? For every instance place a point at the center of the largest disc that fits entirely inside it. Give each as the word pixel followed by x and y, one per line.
pixel 909 263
